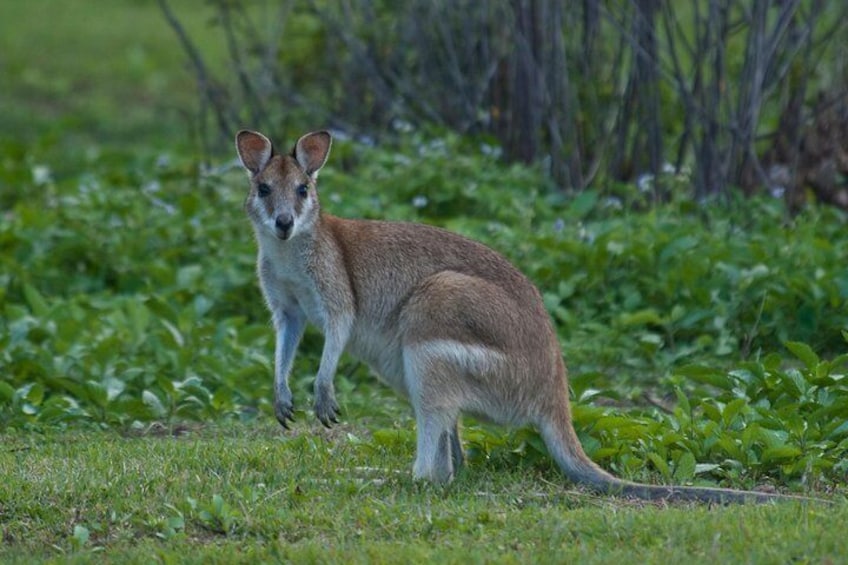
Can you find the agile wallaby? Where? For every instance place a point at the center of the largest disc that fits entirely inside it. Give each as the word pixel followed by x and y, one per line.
pixel 446 321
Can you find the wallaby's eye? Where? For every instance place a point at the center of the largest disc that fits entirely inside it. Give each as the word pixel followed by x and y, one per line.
pixel 263 190
pixel 303 190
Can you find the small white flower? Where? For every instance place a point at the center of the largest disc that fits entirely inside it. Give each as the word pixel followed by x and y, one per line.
pixel 777 191
pixel 613 202
pixel 491 150
pixel 152 186
pixel 402 126
pixel 339 134
pixel 645 182
pixel 585 234
pixel 41 175
pixel 163 160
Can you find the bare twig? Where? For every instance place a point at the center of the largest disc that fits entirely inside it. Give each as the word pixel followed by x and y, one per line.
pixel 209 91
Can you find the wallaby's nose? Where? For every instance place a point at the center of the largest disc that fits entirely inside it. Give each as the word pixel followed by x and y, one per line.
pixel 284 223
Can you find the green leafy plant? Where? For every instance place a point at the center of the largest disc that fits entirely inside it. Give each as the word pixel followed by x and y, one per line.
pixel 122 306
pixel 216 516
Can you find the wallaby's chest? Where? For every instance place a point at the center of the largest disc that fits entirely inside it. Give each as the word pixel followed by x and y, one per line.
pixel 287 283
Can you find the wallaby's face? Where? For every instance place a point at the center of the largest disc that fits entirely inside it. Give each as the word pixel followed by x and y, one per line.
pixel 282 200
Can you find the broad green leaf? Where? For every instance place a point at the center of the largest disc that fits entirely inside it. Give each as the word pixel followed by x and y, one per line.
pixel 803 352
pixel 80 536
pixel 583 203
pixel 771 438
pixel 781 453
pixel 702 468
pixel 218 504
pixel 752 434
pixel 684 470
pixel 32 393
pixel 139 318
pixel 114 387
pixel 683 402
pixel 179 340
pixel 96 393
pixel 618 423
pixel 640 318
pixel 36 301
pixel 707 375
pixel 711 411
pixel 152 401
pixel 188 275
pixel 794 382
pixel 588 394
pixel 839 362
pixel 730 447
pixel 840 430
pixel 772 362
pixel 660 464
pixel 732 409
pixel 222 399
pixel 7 393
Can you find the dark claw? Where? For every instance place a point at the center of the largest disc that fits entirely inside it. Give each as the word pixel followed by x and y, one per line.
pixel 328 419
pixel 284 415
pixel 326 407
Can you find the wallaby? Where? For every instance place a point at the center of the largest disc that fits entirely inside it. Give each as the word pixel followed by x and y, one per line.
pixel 447 322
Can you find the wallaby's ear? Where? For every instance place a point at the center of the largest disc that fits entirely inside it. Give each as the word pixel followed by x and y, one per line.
pixel 254 150
pixel 312 150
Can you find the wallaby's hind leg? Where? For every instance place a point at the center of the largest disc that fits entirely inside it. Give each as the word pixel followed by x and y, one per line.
pixel 457 455
pixel 447 366
pixel 433 458
pixel 438 451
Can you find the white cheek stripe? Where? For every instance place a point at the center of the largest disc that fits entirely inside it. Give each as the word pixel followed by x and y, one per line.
pixel 304 220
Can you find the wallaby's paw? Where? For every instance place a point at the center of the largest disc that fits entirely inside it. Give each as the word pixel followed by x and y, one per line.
pixel 326 407
pixel 284 411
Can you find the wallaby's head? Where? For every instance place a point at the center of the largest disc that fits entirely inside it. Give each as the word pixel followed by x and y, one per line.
pixel 282 199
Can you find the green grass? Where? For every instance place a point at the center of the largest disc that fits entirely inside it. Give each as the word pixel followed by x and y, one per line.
pixel 248 493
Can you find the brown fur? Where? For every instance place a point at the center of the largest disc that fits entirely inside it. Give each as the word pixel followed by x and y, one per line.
pixel 444 320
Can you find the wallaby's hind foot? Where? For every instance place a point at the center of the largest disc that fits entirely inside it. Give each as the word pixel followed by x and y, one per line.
pixel 457 454
pixel 434 458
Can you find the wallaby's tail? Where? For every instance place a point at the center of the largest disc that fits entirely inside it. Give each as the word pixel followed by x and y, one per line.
pixel 566 450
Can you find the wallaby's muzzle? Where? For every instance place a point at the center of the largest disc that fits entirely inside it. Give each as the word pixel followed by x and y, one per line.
pixel 283 225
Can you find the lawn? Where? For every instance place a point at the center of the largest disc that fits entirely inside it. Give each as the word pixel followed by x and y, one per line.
pixel 244 494
pixel 706 343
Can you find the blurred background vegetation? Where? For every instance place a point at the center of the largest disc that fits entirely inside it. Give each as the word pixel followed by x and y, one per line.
pixel 743 93
pixel 736 94
pixel 671 175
